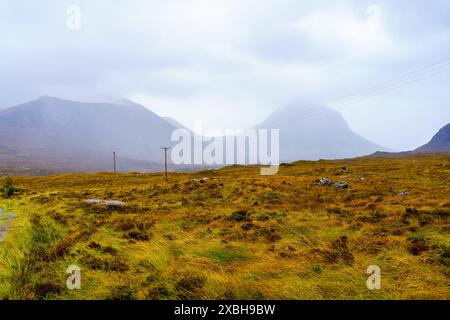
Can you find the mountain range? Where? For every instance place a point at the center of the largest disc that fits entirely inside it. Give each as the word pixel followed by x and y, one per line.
pixel 64 135
pixel 57 135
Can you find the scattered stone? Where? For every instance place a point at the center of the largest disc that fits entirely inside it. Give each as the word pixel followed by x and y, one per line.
pixel 328 182
pixel 325 182
pixel 341 185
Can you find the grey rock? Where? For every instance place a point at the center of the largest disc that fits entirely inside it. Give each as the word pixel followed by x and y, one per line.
pixel 328 182
pixel 325 182
pixel 341 185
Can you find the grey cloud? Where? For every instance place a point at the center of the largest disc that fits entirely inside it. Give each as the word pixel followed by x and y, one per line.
pixel 231 57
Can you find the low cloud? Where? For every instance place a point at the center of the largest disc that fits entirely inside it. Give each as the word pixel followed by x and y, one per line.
pixel 231 63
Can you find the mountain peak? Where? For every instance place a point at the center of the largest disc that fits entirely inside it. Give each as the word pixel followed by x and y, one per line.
pixel 126 101
pixel 304 113
pixel 47 97
pixel 311 132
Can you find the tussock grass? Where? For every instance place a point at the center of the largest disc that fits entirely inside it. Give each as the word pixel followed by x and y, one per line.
pixel 235 234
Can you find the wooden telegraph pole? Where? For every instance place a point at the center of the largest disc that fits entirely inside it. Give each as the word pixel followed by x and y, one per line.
pixel 165 161
pixel 114 161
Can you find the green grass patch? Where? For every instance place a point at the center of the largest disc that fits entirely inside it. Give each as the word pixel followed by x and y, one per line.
pixel 227 255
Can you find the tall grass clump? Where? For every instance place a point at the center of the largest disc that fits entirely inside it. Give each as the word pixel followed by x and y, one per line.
pixel 8 187
pixel 26 261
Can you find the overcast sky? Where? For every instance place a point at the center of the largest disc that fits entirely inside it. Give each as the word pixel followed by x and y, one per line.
pixel 230 63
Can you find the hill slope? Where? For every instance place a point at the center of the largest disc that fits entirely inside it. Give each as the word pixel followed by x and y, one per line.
pixel 175 123
pixel 66 133
pixel 439 143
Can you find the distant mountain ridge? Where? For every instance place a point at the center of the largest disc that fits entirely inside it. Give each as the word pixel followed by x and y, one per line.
pixel 54 133
pixel 55 130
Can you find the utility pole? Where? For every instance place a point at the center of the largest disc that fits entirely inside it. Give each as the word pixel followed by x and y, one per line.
pixel 114 161
pixel 165 161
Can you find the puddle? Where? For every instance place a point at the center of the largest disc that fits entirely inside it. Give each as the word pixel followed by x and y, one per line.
pixel 5 222
pixel 93 201
pixel 106 202
pixel 114 203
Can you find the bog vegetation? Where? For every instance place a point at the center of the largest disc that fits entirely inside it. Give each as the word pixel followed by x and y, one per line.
pixel 233 234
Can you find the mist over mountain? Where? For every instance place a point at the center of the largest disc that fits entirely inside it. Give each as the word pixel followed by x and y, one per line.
pixel 64 135
pixel 175 123
pixel 310 132
pixel 49 130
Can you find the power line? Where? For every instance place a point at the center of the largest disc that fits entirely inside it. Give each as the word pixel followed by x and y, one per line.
pixel 395 83
pixel 404 77
pixel 392 86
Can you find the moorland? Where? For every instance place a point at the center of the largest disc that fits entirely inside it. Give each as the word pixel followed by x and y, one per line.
pixel 231 233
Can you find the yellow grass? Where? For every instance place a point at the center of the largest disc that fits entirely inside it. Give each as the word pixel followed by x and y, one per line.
pixel 235 235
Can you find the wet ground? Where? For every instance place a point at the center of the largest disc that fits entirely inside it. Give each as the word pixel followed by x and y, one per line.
pixel 5 222
pixel 106 202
